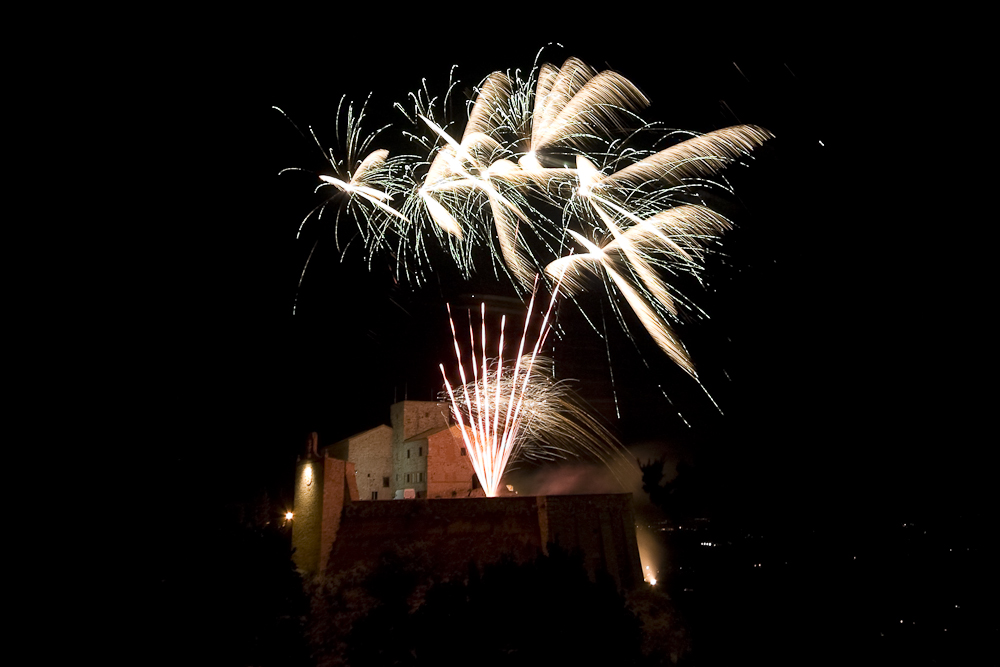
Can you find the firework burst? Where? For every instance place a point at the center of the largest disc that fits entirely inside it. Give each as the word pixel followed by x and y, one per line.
pixel 542 164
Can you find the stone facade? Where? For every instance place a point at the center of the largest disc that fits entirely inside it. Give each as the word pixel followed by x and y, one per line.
pixel 421 455
pixel 323 486
pixel 426 454
pixel 450 473
pixel 371 453
pixel 454 533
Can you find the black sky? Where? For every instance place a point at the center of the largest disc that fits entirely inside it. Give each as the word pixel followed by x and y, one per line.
pixel 832 347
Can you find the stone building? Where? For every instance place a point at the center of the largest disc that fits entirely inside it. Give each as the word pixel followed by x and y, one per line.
pixel 421 455
pixel 422 458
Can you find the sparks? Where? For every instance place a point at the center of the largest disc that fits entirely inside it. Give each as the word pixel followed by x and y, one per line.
pixel 515 409
pixel 545 164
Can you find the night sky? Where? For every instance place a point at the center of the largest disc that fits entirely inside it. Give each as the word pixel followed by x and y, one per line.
pixel 846 343
pixel 838 344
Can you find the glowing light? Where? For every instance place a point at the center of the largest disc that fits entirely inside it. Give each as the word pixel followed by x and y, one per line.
pixel 513 409
pixel 557 160
pixel 289 516
pixel 491 443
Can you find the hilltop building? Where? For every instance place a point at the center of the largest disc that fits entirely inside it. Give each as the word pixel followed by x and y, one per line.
pixel 422 455
pixel 422 462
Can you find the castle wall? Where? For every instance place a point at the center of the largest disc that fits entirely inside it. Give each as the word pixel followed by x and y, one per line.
pixel 602 526
pixel 453 532
pixel 449 533
pixel 323 486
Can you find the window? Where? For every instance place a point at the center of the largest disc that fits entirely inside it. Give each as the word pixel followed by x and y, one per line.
pixel 420 451
pixel 385 482
pixel 407 478
pixel 374 495
pixel 420 476
pixel 463 451
pixel 407 453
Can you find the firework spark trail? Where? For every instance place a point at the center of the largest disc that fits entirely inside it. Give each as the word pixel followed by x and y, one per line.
pixel 496 185
pixel 700 156
pixel 357 184
pixel 371 179
pixel 687 223
pixel 449 173
pixel 660 331
pixel 492 447
pixel 518 411
pixel 573 105
pixel 374 180
pixel 570 106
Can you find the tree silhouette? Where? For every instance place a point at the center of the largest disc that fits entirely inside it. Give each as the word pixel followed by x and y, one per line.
pixel 682 499
pixel 542 612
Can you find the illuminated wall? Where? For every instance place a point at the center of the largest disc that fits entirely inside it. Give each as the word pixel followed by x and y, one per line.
pixel 371 453
pixel 412 421
pixel 322 487
pixel 449 467
pixel 483 530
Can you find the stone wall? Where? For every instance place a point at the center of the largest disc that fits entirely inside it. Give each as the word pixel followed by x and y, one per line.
pixel 411 421
pixel 323 486
pixel 602 526
pixel 410 418
pixel 449 465
pixel 455 532
pixel 371 454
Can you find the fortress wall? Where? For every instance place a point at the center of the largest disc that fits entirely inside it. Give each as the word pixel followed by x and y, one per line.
pixel 453 532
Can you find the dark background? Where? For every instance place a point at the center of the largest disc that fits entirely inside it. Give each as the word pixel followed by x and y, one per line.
pixel 844 344
pixel 840 315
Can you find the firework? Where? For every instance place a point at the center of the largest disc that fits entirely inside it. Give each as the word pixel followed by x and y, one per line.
pixel 373 179
pixel 517 410
pixel 544 163
pixel 496 166
pixel 575 104
pixel 490 442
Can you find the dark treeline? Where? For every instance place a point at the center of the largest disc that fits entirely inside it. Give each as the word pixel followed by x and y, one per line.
pixel 237 599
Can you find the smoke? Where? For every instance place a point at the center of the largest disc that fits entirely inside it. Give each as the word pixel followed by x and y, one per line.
pixel 571 478
pixel 652 553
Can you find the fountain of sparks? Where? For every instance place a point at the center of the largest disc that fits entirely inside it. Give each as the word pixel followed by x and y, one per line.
pixel 513 410
pixel 492 408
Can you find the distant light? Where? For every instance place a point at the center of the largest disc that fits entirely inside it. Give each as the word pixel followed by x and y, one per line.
pixel 288 516
pixel 652 581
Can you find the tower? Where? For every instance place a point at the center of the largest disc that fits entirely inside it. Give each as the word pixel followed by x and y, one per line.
pixel 323 485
